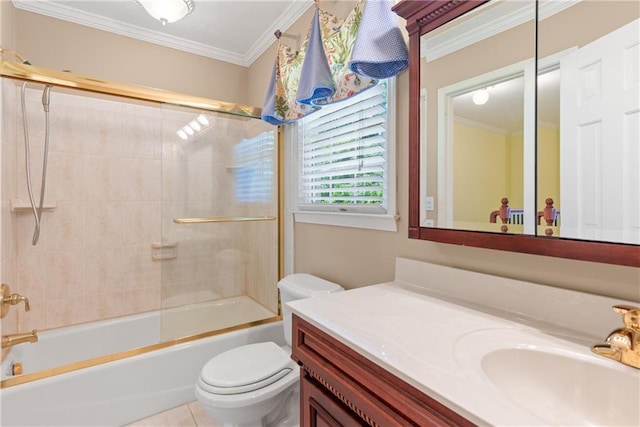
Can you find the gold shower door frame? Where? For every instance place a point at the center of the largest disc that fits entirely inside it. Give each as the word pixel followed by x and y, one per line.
pixel 29 73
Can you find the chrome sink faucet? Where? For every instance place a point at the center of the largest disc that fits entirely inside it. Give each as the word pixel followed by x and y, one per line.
pixel 623 344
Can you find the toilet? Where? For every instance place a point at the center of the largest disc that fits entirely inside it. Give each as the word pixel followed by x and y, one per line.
pixel 258 384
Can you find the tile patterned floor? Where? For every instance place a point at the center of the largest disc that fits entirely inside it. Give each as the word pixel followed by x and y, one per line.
pixel 189 415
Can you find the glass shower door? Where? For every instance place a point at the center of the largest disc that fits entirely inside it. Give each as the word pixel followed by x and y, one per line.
pixel 219 249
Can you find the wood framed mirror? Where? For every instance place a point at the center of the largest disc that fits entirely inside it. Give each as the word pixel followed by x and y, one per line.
pixel 545 231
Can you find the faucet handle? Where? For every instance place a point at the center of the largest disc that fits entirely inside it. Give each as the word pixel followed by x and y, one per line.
pixel 27 307
pixel 623 344
pixel 5 294
pixel 630 316
pixel 8 299
pixel 17 299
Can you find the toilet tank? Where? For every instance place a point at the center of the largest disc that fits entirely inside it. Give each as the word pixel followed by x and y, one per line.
pixel 299 286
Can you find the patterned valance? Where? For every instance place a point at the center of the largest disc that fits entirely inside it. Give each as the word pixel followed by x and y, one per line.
pixel 338 59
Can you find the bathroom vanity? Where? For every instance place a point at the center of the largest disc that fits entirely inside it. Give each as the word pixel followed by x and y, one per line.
pixel 340 387
pixel 443 346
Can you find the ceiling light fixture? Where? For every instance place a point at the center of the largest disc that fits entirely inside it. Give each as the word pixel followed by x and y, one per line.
pixel 167 11
pixel 480 97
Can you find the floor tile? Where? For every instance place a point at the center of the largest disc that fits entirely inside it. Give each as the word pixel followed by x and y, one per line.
pixel 203 419
pixel 176 417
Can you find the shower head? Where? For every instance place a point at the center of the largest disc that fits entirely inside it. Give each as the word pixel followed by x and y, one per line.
pixel 45 98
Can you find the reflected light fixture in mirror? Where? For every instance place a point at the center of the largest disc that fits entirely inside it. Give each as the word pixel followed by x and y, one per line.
pixel 480 97
pixel 167 11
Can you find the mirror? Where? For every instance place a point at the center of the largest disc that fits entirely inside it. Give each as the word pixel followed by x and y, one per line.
pixel 477 83
pixel 500 172
pixel 596 73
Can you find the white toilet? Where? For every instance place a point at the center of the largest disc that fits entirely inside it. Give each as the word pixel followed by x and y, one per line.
pixel 258 384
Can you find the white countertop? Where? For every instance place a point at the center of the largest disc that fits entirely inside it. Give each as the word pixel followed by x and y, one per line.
pixel 427 341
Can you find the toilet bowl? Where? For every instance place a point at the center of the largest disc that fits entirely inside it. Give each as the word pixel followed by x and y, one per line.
pixel 258 384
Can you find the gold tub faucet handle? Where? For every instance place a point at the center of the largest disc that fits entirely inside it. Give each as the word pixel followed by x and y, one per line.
pixel 17 299
pixel 7 299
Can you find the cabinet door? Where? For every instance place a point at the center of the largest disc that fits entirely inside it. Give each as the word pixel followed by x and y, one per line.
pixel 318 407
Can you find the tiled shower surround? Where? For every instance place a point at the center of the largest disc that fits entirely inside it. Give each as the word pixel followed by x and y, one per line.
pixel 118 174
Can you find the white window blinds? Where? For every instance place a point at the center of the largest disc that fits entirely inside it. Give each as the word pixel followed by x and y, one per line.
pixel 343 155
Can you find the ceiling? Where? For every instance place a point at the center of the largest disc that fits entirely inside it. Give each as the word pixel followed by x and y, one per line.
pixel 504 111
pixel 237 31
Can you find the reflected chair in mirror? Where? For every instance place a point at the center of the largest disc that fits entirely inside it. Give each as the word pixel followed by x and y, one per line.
pixel 551 216
pixel 507 215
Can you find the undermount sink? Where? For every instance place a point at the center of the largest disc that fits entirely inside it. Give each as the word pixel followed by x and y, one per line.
pixel 557 381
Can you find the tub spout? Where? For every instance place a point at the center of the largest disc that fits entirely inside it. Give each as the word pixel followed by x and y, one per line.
pixel 13 339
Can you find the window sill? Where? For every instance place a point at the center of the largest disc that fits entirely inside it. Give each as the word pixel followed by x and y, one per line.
pixel 355 220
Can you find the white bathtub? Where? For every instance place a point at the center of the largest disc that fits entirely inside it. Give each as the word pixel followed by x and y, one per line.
pixel 121 391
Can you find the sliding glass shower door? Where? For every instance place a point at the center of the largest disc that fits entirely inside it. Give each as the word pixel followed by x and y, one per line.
pixel 219 247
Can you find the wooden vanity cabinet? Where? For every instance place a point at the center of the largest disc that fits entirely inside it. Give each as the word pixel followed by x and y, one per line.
pixel 339 387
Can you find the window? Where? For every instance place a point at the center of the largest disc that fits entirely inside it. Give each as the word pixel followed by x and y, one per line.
pixel 346 160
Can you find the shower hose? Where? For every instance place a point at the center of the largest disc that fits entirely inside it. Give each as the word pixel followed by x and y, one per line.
pixel 37 211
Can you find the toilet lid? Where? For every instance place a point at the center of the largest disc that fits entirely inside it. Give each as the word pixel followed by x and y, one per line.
pixel 246 368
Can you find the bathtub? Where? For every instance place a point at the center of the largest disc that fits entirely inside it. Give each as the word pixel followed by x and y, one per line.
pixel 120 391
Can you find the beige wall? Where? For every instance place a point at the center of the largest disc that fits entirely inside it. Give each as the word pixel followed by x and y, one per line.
pixel 62 45
pixel 7 27
pixel 8 249
pixel 357 257
pixel 353 257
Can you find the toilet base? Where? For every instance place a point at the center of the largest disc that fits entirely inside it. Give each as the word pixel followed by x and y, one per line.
pixel 278 411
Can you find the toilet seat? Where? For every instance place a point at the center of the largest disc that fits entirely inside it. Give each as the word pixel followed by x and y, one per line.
pixel 245 369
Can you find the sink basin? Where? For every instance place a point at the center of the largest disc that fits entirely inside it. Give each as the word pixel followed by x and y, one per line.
pixel 557 381
pixel 566 389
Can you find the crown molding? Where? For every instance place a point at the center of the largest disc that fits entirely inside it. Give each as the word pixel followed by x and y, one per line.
pixel 66 13
pixel 479 125
pixel 291 15
pixel 496 19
